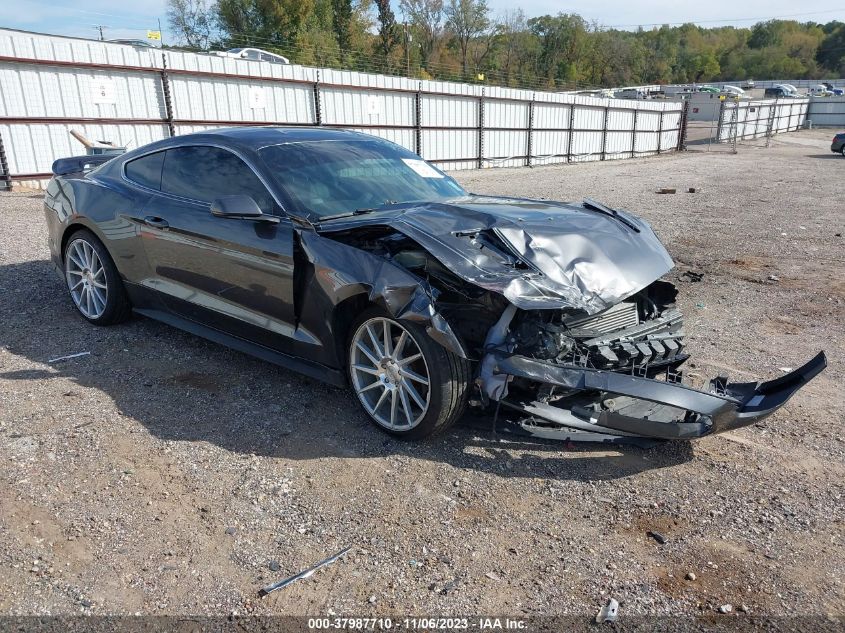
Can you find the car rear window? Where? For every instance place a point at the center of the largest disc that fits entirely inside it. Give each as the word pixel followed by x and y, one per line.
pixel 146 170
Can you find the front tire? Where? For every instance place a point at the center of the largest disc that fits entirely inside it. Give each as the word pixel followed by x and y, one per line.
pixel 93 282
pixel 407 384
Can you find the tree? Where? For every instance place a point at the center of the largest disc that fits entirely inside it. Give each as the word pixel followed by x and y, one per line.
pixel 512 31
pixel 192 20
pixel 388 31
pixel 274 23
pixel 426 17
pixel 831 52
pixel 342 25
pixel 467 20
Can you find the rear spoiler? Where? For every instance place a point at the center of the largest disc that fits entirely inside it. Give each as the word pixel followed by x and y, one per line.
pixel 79 164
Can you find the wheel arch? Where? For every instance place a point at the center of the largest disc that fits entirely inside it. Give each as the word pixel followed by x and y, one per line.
pixel 343 316
pixel 73 228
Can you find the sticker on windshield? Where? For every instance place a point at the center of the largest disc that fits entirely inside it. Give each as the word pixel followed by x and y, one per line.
pixel 422 168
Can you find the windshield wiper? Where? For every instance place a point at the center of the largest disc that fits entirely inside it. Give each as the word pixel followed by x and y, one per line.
pixel 362 211
pixel 347 214
pixel 589 203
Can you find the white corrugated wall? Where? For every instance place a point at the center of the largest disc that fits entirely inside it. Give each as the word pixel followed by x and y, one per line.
pixel 113 92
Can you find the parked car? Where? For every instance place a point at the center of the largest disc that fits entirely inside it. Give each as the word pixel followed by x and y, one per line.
pixel 777 92
pixel 142 43
pixel 253 54
pixel 838 144
pixel 352 260
pixel 821 91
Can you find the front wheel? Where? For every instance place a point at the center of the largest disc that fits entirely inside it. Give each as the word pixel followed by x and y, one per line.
pixel 407 384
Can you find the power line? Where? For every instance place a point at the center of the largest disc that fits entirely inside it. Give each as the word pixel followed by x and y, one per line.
pixel 725 20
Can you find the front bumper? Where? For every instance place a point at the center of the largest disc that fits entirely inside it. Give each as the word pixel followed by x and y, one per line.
pixel 637 407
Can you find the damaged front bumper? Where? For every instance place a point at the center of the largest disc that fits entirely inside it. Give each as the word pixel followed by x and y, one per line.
pixel 609 406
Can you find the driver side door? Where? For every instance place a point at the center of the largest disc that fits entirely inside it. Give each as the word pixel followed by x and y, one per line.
pixel 234 275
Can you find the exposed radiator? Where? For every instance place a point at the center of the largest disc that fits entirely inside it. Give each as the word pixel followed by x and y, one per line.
pixel 615 318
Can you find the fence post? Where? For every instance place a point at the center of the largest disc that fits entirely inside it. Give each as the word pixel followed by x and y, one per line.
pixel 481 130
pixel 682 128
pixel 721 120
pixel 634 135
pixel 168 103
pixel 571 132
pixel 4 167
pixel 604 133
pixel 418 119
pixel 735 122
pixel 530 132
pixel 318 105
pixel 773 109
pixel 660 133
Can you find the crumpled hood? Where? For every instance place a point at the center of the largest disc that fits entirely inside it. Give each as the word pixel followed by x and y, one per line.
pixel 539 255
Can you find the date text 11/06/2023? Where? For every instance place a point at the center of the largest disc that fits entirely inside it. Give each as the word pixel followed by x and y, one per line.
pixel 417 624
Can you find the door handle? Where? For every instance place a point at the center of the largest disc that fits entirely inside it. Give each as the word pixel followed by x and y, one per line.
pixel 155 221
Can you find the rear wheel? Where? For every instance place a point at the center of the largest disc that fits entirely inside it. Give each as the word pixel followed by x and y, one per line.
pixel 407 384
pixel 842 150
pixel 93 281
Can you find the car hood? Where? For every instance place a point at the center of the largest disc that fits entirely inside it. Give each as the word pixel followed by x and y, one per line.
pixel 538 254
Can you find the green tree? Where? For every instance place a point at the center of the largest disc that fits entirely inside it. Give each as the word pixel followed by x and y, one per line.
pixel 270 22
pixel 426 19
pixel 342 25
pixel 388 30
pixel 467 20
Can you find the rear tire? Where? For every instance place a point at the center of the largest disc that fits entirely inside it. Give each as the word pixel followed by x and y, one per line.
pixel 408 385
pixel 93 282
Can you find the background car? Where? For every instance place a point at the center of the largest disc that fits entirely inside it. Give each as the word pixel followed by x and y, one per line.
pixel 838 144
pixel 141 43
pixel 253 54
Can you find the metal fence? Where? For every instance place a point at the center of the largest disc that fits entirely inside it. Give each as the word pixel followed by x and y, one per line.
pixel 132 96
pixel 827 111
pixel 746 120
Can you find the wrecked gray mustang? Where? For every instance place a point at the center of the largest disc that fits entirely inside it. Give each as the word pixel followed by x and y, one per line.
pixel 350 259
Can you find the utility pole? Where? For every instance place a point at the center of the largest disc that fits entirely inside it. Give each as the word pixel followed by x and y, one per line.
pixel 100 29
pixel 161 34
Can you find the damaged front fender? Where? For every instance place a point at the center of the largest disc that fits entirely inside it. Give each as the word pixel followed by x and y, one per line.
pixel 341 271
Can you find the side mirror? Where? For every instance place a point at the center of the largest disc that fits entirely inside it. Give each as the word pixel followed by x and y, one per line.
pixel 239 207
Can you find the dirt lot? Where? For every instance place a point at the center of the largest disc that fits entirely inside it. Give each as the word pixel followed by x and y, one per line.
pixel 164 474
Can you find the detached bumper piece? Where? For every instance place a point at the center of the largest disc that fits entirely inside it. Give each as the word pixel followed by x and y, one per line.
pixel 608 406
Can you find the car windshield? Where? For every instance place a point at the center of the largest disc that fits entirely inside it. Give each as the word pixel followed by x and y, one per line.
pixel 234 50
pixel 337 177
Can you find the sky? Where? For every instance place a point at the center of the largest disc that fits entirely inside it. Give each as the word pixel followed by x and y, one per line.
pixel 132 19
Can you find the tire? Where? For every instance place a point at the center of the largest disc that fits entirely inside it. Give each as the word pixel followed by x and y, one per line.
pixel 842 150
pixel 93 282
pixel 380 379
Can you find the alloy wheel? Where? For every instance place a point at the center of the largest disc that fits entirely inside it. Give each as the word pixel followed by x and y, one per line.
pixel 86 279
pixel 389 374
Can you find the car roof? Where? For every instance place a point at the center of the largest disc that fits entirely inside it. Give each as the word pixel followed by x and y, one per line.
pixel 255 137
pixel 249 139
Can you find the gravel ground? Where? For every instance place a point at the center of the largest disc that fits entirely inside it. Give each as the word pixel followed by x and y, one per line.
pixel 162 474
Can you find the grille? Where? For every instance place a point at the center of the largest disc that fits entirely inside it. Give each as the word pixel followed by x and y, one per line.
pixel 615 318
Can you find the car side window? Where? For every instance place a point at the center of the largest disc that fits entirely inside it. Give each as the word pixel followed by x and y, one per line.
pixel 204 173
pixel 146 170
